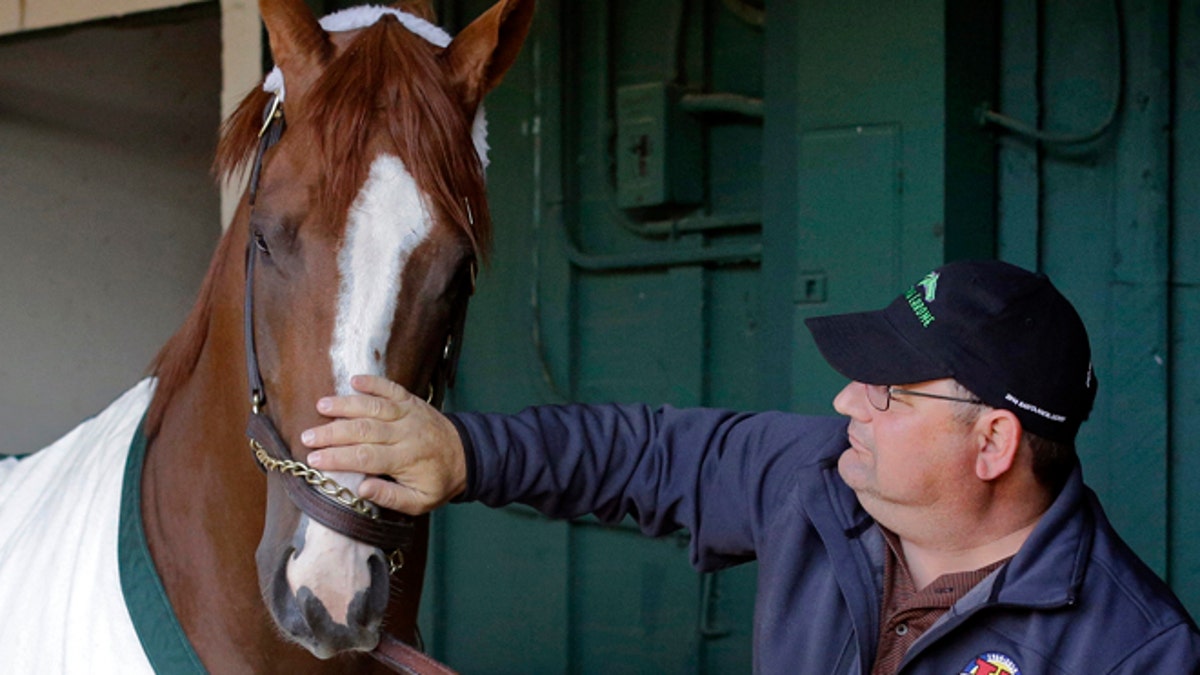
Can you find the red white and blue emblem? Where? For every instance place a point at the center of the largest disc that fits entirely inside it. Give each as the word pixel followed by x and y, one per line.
pixel 991 663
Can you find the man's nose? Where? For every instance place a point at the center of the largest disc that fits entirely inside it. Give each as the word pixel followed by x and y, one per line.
pixel 851 401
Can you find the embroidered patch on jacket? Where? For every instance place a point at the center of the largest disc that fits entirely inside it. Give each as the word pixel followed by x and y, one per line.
pixel 991 663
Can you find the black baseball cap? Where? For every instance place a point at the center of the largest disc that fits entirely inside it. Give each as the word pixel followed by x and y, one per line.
pixel 1005 333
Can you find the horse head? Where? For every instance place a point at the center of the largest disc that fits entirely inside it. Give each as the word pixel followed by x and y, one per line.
pixel 364 222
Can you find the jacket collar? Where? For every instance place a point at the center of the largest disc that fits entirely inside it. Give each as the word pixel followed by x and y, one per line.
pixel 854 546
pixel 1049 569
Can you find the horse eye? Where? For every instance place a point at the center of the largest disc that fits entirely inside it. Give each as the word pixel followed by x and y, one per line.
pixel 260 242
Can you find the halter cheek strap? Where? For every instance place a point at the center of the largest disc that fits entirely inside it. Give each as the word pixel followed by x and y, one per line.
pixel 272 129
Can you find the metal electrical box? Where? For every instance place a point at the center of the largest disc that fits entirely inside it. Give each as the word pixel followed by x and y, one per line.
pixel 659 151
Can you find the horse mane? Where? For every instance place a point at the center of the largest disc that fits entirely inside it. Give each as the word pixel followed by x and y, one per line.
pixel 174 363
pixel 387 78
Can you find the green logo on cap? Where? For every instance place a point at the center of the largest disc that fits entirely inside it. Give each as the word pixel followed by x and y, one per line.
pixel 929 283
pixel 917 302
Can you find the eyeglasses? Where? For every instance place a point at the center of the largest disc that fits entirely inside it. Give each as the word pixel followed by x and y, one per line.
pixel 880 396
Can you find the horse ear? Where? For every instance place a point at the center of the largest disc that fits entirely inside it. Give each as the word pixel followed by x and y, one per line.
pixel 299 45
pixel 418 8
pixel 481 54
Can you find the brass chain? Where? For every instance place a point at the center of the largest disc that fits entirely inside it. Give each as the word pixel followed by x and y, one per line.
pixel 327 486
pixel 324 484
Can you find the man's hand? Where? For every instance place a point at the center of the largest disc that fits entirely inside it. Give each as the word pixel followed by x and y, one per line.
pixel 386 431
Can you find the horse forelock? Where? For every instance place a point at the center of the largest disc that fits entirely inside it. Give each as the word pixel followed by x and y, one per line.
pixel 391 81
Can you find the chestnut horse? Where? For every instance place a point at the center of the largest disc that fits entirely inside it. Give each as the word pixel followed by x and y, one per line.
pixel 354 251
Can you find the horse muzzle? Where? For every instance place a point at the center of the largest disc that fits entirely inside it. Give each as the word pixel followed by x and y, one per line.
pixel 327 593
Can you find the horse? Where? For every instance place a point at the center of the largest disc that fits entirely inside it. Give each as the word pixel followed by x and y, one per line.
pixel 353 250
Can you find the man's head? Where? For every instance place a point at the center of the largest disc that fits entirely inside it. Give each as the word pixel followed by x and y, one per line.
pixel 1011 356
pixel 1004 333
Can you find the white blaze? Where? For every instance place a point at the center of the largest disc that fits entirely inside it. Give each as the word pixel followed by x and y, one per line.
pixel 386 223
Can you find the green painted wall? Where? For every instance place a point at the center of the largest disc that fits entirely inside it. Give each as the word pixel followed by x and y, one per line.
pixel 877 169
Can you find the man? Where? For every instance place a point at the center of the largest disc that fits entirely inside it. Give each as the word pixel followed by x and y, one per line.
pixel 944 529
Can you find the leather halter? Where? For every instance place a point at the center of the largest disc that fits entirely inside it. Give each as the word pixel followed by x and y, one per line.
pixel 315 494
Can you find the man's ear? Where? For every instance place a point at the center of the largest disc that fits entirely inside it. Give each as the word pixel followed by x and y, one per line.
pixel 998 439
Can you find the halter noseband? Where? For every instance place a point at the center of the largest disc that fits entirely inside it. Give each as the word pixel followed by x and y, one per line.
pixel 314 493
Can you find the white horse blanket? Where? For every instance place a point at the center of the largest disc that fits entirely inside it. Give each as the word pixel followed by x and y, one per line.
pixel 78 590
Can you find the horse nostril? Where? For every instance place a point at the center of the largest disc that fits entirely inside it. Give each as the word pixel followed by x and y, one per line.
pixel 376 596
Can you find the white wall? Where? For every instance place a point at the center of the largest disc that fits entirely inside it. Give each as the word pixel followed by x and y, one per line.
pixel 108 215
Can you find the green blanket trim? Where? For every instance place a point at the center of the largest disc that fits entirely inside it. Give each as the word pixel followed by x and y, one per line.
pixel 166 645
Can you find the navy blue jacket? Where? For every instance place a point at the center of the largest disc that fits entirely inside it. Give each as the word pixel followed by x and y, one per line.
pixel 1074 599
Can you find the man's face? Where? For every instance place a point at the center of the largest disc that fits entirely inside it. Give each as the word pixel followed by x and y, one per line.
pixel 916 455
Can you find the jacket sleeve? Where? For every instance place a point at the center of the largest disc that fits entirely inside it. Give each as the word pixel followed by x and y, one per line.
pixel 717 473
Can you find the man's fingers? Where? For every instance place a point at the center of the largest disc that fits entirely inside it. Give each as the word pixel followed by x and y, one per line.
pixel 380 386
pixel 359 406
pixel 354 431
pixel 378 398
pixel 395 496
pixel 357 458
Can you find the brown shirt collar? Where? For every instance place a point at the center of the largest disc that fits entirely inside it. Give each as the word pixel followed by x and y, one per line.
pixel 907 612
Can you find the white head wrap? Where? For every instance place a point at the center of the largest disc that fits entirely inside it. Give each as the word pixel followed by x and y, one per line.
pixel 366 15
